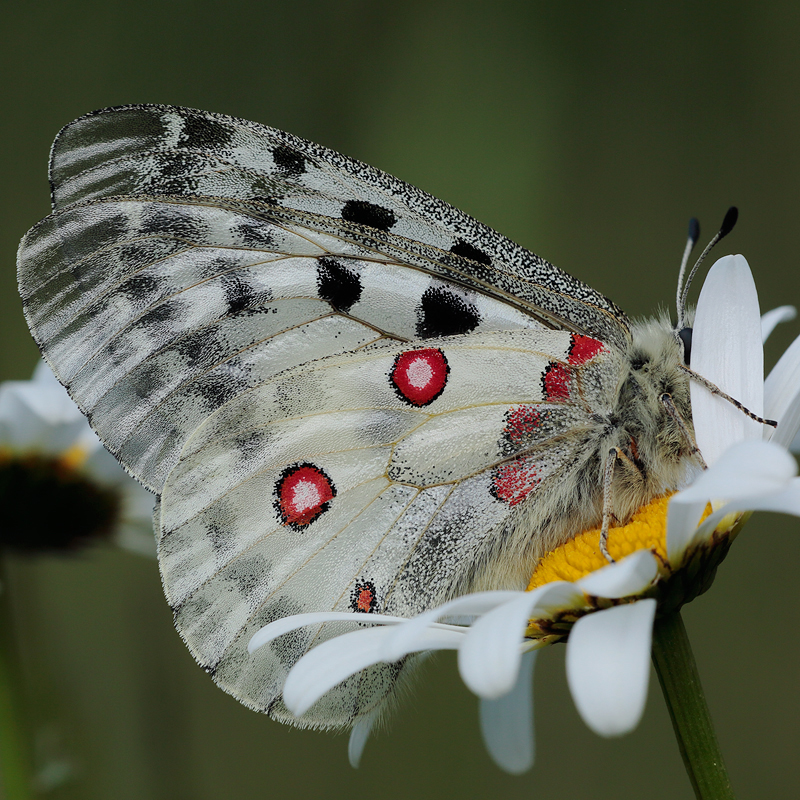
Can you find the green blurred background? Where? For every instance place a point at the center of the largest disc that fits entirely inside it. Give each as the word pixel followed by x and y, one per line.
pixel 589 132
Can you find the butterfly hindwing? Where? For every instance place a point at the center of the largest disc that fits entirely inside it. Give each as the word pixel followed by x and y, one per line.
pixel 347 484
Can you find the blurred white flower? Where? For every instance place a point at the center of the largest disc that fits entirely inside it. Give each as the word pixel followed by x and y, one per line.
pixel 59 486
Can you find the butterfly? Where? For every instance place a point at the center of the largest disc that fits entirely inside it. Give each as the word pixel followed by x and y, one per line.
pixel 346 394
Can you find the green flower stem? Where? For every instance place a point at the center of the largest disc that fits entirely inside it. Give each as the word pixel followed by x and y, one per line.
pixel 691 719
pixel 15 772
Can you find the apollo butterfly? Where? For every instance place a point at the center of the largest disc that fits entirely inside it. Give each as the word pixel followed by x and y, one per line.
pixel 347 395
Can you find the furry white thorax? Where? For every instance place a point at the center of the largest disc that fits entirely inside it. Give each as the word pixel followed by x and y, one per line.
pixel 630 416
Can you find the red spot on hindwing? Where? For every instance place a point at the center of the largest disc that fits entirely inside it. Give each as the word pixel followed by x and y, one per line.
pixel 419 376
pixel 556 381
pixel 362 597
pixel 583 349
pixel 302 493
pixel 513 482
pixel 521 423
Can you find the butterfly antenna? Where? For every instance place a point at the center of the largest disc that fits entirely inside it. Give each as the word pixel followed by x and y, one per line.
pixel 691 241
pixel 727 226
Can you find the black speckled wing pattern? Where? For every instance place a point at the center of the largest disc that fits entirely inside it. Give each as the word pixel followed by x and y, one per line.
pixel 334 382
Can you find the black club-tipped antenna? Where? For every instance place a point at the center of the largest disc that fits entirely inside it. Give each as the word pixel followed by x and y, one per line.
pixel 728 222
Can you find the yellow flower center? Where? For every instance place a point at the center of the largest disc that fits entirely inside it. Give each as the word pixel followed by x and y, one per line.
pixel 647 529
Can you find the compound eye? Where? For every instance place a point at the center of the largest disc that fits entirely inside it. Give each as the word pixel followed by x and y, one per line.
pixel 685 335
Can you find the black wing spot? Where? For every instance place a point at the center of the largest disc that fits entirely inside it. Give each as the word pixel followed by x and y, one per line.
pixel 171 172
pixel 146 379
pixel 465 249
pixel 166 220
pixel 443 313
pixel 254 233
pixel 289 161
pixel 201 132
pixel 200 348
pixel 363 213
pixel 161 316
pixel 338 285
pixel 139 286
pixel 239 294
pixel 216 388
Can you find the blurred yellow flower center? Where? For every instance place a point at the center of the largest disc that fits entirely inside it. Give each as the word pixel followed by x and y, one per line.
pixel 74 457
pixel 647 529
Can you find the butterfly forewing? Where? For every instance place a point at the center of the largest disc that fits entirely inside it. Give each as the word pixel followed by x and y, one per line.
pixel 158 150
pixel 156 313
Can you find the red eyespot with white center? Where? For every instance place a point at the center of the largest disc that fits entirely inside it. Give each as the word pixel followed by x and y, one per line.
pixel 362 597
pixel 513 482
pixel 419 376
pixel 583 349
pixel 303 492
pixel 556 381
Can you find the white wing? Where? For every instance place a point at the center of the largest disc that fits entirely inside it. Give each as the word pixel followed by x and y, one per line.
pixel 242 327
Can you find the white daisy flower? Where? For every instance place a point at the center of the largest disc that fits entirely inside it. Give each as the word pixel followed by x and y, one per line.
pixel 606 611
pixel 61 487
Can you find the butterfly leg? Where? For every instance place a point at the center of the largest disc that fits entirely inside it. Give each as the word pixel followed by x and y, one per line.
pixel 694 450
pixel 614 454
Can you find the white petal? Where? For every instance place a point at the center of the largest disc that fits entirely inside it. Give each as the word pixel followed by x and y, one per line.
pixel 39 414
pixel 782 396
pixel 287 624
pixel 45 396
pixel 748 469
pixel 358 738
pixel 745 475
pixel 771 319
pixel 488 660
pixel 727 350
pixel 31 421
pixel 403 637
pixel 786 501
pixel 337 659
pixel 682 519
pixel 507 723
pixel 608 666
pixel 631 575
